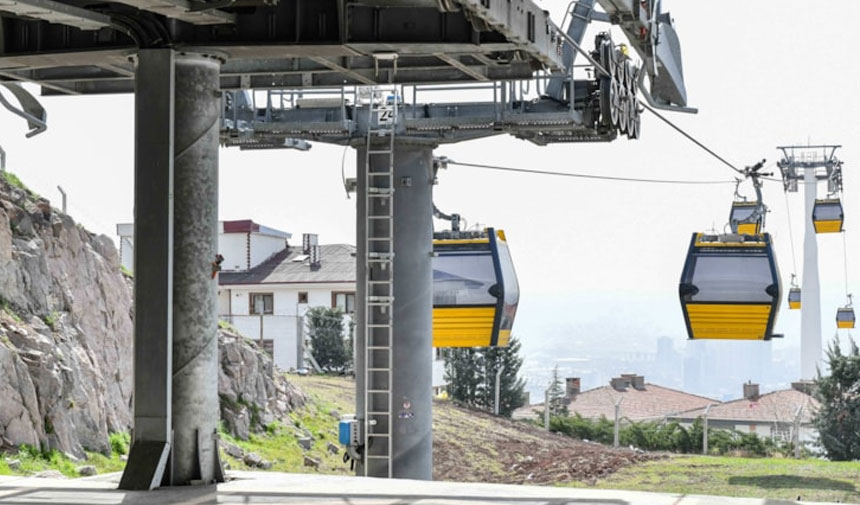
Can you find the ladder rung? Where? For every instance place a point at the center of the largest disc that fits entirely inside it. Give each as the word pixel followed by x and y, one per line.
pixel 380 239
pixel 379 326
pixel 380 217
pixel 379 413
pixel 379 347
pixel 380 151
pixel 378 457
pixel 379 173
pixel 378 369
pixel 378 435
pixel 379 391
pixel 379 282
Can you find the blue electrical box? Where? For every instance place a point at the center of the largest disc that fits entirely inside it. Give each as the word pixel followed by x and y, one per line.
pixel 348 431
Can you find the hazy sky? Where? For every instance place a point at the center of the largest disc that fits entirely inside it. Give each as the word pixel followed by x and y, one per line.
pixel 596 257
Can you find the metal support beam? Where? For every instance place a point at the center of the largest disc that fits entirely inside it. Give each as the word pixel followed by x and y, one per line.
pixel 195 319
pixel 412 315
pixel 455 62
pixel 153 270
pixel 345 71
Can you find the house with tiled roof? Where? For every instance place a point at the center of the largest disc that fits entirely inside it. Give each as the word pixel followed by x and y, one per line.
pixel 770 415
pixel 639 400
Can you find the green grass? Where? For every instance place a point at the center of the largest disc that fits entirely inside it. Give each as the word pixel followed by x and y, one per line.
pixel 14 180
pixel 811 479
pixel 279 444
pixel 125 271
pixel 33 461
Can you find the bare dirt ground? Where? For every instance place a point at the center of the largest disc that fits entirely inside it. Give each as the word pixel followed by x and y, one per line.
pixel 472 446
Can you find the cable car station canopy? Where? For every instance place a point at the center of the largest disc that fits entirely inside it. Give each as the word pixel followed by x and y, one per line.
pixel 74 47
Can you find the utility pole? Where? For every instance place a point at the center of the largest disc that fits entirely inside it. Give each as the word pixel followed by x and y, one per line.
pixel 496 407
pixel 616 436
pixel 796 432
pixel 546 409
pixel 705 431
pixel 63 193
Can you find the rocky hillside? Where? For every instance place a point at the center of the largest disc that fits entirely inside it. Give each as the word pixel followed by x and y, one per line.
pixel 66 338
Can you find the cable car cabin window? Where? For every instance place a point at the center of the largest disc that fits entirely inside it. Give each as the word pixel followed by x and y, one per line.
pixel 732 279
pixel 512 288
pixel 742 212
pixel 830 211
pixel 464 279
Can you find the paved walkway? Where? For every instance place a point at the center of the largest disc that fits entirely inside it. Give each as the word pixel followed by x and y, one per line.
pixel 296 489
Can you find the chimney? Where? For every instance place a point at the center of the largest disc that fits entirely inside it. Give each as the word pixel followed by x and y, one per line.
pixel 805 387
pixel 639 382
pixel 751 391
pixel 573 387
pixel 309 240
pixel 619 383
pixel 314 257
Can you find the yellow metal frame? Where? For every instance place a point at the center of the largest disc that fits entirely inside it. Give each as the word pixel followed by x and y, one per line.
pixel 845 324
pixel 828 226
pixel 794 305
pixel 728 321
pixel 465 327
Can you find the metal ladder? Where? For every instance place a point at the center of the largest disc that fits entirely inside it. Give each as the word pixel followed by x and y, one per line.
pixel 379 280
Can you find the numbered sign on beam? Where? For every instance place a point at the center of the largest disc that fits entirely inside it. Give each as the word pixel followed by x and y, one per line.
pixel 385 116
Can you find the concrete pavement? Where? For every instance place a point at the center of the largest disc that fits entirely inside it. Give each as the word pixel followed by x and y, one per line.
pixel 299 489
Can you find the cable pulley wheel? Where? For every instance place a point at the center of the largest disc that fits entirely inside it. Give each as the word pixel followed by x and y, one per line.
pixel 636 122
pixel 606 101
pixel 615 101
pixel 624 120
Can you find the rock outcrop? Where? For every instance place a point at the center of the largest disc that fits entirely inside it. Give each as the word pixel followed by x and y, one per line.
pixel 66 339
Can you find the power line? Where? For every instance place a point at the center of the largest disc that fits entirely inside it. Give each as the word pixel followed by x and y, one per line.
pixel 585 176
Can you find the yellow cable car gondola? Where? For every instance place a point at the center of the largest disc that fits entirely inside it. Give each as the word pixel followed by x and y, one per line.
pixel 475 290
pixel 827 216
pixel 794 294
pixel 730 287
pixel 794 298
pixel 845 315
pixel 745 218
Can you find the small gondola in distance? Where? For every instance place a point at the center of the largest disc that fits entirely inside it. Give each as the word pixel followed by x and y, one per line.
pixel 730 287
pixel 743 218
pixel 475 289
pixel 794 298
pixel 828 215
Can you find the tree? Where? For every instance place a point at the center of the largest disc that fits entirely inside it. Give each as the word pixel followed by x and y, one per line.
pixel 463 373
pixel 328 345
pixel 471 376
pixel 838 416
pixel 557 397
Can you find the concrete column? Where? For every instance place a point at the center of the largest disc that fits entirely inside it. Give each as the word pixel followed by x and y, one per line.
pixel 195 316
pixel 413 304
pixel 810 309
pixel 153 269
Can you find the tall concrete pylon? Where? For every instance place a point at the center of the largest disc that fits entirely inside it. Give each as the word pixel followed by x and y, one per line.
pixel 176 412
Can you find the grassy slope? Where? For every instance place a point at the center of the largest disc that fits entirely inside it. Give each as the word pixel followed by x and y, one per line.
pixel 462 452
pixel 279 444
pixel 813 480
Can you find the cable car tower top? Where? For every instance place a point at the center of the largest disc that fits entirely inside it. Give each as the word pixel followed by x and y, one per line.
pixel 812 164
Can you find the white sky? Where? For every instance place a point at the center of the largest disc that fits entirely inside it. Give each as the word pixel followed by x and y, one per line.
pixel 592 257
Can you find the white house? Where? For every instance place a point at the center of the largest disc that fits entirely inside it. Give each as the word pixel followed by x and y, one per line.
pixel 266 285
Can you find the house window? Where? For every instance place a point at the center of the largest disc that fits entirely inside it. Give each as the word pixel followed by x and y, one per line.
pixel 345 301
pixel 303 297
pixel 262 303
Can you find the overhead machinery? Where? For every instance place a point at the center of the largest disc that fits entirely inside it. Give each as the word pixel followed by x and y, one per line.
pixel 384 77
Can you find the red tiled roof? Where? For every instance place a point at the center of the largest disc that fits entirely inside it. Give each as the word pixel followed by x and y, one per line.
pixel 651 402
pixel 777 406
